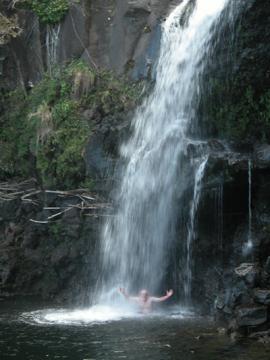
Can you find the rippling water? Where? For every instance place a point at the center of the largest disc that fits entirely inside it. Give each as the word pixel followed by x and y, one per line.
pixel 28 334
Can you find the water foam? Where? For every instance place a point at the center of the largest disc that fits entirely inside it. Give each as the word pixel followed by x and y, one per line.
pixel 98 314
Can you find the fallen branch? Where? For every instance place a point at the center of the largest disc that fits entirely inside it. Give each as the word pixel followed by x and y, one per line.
pixel 39 222
pixel 27 192
pixel 59 213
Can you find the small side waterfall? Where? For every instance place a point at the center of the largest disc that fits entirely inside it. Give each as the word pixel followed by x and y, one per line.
pixel 220 216
pixel 250 242
pixel 192 227
pixel 248 246
pixel 136 241
pixel 52 41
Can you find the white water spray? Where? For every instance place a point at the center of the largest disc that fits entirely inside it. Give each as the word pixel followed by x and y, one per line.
pixel 136 241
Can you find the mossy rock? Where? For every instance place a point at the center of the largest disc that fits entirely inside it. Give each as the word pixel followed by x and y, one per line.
pixel 44 133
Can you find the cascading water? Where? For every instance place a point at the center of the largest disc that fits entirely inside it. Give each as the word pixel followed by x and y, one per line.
pixel 248 246
pixel 191 228
pixel 136 241
pixel 157 172
pixel 249 203
pixel 52 40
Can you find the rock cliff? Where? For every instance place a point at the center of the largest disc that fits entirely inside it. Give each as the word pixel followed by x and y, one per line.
pixel 123 36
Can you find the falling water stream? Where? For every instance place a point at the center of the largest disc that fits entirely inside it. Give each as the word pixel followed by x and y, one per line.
pixel 157 173
pixel 136 242
pixel 248 246
pixel 52 42
pixel 192 226
pixel 249 203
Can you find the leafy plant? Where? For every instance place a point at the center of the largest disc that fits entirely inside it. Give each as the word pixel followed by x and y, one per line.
pixel 44 133
pixel 49 11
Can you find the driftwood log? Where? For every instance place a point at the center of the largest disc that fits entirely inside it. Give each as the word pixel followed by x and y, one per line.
pixel 28 191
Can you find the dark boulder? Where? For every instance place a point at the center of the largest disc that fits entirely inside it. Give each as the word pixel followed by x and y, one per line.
pixel 97 161
pixel 267 265
pixel 262 296
pixel 251 315
pixel 262 155
pixel 248 272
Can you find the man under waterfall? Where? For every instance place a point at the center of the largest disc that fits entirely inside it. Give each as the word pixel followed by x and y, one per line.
pixel 144 300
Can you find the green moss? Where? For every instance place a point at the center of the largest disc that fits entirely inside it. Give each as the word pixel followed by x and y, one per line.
pixel 44 133
pixel 88 184
pixel 60 159
pixel 14 138
pixel 246 117
pixel 56 230
pixel 49 11
pixel 233 110
pixel 113 94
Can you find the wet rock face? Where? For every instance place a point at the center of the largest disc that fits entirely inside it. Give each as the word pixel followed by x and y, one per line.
pixel 267 265
pixel 249 273
pixel 48 260
pixel 249 312
pixel 119 35
pixel 223 273
pixel 23 63
pixel 262 155
pixel 251 316
pixel 262 296
pixel 124 35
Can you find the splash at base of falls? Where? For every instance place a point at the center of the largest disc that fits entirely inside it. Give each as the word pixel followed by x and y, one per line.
pixel 99 314
pixel 93 315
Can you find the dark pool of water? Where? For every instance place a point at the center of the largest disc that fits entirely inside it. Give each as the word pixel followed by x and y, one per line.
pixel 151 338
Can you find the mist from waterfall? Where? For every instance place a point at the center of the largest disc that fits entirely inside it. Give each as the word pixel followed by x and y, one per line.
pixel 136 241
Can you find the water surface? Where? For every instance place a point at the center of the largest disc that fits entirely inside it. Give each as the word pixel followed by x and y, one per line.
pixel 157 337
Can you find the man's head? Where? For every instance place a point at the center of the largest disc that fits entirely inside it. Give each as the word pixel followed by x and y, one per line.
pixel 144 295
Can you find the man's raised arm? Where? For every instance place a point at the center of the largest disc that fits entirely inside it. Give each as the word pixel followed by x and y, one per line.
pixel 126 295
pixel 169 293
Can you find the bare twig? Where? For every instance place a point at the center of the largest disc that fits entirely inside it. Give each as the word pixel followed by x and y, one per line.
pixel 27 191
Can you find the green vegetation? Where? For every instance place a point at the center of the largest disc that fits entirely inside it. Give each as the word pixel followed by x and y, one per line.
pixel 49 11
pixel 56 230
pixel 44 133
pixel 236 110
pixel 245 118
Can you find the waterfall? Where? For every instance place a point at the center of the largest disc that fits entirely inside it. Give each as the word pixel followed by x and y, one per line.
pixel 250 243
pixel 191 227
pixel 52 40
pixel 136 241
pixel 248 246
pixel 220 216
